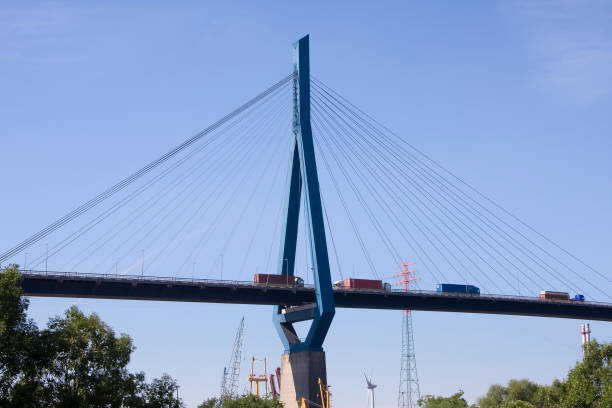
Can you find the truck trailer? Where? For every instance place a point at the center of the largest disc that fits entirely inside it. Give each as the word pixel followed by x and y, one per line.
pixel 274 279
pixel 457 288
pixel 365 284
pixel 550 295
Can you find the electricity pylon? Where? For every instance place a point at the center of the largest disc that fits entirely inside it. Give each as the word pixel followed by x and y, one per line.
pixel 409 394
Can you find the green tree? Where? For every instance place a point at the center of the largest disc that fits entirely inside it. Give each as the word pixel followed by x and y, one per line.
pixel 161 393
pixel 494 398
pixel 588 384
pixel 14 330
pixel 135 388
pixel 209 403
pixel 516 391
pixel 251 401
pixel 89 364
pixel 521 390
pixel 454 401
pixel 89 367
pixel 78 361
pixel 244 401
pixel 550 396
pixel 21 353
pixel 517 404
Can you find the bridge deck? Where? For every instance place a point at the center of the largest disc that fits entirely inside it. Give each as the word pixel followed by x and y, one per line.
pixel 53 284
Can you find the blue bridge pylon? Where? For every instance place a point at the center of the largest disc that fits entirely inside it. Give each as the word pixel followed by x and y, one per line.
pixel 304 178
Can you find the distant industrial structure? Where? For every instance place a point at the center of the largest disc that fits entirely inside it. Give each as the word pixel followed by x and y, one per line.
pixel 585 332
pixel 259 378
pixel 370 386
pixel 273 386
pixel 231 373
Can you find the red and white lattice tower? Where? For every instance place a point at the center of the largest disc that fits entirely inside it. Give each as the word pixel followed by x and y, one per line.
pixel 409 381
pixel 585 332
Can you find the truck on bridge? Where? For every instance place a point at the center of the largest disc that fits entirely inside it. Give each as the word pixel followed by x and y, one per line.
pixel 457 288
pixel 548 294
pixel 274 279
pixel 363 284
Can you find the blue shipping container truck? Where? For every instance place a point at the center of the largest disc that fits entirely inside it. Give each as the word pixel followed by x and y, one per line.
pixel 454 288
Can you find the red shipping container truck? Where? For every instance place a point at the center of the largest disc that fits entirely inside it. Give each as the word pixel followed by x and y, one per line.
pixel 351 283
pixel 547 294
pixel 274 279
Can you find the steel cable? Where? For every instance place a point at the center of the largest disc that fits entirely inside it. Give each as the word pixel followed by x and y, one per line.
pixel 136 175
pixel 498 206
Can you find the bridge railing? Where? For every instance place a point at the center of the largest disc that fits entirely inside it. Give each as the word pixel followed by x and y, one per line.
pixel 183 280
pixel 125 277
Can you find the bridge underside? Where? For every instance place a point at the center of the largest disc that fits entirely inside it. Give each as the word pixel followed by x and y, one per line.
pixel 245 293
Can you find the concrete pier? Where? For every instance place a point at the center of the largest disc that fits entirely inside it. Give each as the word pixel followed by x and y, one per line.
pixel 300 373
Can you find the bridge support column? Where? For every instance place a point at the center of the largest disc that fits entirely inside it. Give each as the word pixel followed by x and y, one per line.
pixel 303 363
pixel 300 373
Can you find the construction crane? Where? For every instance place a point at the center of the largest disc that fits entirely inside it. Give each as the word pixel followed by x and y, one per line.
pixel 231 373
pixel 259 378
pixel 223 381
pixel 275 393
pixel 273 387
pixel 325 395
pixel 409 381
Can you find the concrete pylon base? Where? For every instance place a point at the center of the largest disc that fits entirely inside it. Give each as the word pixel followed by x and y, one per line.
pixel 300 373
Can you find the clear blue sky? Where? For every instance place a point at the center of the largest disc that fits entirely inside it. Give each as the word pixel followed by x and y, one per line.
pixel 513 96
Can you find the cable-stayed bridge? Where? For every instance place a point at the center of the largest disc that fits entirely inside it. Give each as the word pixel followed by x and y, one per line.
pixel 299 181
pixel 75 285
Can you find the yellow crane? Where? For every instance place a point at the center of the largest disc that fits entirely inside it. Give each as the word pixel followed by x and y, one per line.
pixel 325 394
pixel 257 378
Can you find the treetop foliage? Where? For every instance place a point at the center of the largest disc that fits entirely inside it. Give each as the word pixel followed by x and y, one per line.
pixel 454 401
pixel 244 401
pixel 587 385
pixel 77 361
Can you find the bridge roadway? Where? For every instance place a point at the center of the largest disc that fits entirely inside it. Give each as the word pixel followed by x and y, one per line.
pixel 79 285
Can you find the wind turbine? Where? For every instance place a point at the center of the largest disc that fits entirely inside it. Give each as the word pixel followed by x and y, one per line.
pixel 370 385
